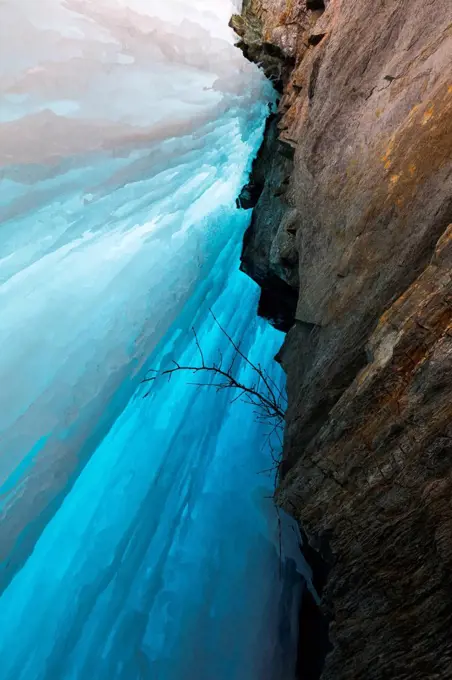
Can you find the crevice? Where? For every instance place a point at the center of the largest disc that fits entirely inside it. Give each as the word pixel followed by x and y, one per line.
pixel 313 78
pixel 278 303
pixel 316 38
pixel 315 5
pixel 249 196
pixel 313 641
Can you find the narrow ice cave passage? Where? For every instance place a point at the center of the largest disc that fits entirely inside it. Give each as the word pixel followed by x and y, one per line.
pixel 138 539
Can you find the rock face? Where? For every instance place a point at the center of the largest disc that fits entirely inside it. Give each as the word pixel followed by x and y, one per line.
pixel 351 233
pixel 269 256
pixel 270 32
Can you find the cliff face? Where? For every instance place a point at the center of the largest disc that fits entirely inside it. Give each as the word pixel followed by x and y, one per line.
pixel 351 245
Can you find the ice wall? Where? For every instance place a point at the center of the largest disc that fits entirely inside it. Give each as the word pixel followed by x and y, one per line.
pixel 124 125
pixel 163 561
pixel 136 537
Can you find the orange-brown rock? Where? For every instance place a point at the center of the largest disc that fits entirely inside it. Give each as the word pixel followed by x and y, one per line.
pixel 377 480
pixel 360 232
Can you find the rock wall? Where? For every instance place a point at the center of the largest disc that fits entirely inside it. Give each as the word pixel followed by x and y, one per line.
pixel 351 243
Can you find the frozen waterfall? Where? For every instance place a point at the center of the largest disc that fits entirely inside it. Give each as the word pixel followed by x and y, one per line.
pixel 138 537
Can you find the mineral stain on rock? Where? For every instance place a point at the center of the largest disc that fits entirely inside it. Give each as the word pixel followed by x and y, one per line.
pixel 350 242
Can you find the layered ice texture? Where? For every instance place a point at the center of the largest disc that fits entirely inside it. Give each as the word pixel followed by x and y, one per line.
pixel 138 538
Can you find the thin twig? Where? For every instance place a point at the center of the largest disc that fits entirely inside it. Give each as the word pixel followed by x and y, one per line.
pixel 271 406
pixel 199 347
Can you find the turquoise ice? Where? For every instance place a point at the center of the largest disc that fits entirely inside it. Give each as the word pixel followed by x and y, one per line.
pixel 138 536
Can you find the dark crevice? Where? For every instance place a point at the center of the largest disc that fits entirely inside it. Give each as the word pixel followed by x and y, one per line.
pixel 316 38
pixel 286 150
pixel 315 5
pixel 273 50
pixel 313 641
pixel 313 78
pixel 278 303
pixel 249 196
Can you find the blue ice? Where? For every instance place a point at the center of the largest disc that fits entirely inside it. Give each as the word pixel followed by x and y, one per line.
pixel 139 538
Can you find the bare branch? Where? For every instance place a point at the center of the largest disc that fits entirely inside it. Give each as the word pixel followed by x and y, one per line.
pixel 263 394
pixel 270 406
pixel 199 348
pixel 238 351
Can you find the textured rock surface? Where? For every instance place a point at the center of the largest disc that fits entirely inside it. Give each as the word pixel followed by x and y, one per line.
pixel 269 254
pixel 367 469
pixel 270 32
